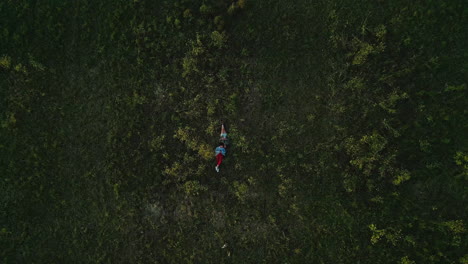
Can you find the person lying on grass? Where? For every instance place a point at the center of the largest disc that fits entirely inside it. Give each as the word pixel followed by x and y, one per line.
pixel 220 152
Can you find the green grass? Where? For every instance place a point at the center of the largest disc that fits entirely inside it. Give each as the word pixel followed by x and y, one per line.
pixel 347 125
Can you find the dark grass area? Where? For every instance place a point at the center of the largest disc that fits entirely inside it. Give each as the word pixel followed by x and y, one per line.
pixel 347 124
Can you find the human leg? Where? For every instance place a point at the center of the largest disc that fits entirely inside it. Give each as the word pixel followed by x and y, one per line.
pixel 219 159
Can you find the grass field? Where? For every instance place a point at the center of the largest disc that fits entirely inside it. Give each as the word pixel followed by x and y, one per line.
pixel 347 123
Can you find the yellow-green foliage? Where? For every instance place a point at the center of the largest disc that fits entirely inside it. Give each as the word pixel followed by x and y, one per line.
pixel 232 9
pixel 406 260
pixel 210 110
pixel 365 151
pixel 116 190
pixel 35 65
pixel 189 64
pixel 177 23
pixel 377 234
pixel 389 103
pixel 285 186
pixel 174 170
pixel 187 13
pixel 10 121
pixel 192 142
pixel 241 3
pixel 456 226
pixel 380 32
pixel 391 235
pixel 194 188
pixel 190 61
pixel 240 190
pixel 156 144
pixel 242 143
pixel 205 151
pixel 461 159
pixel 218 39
pixel 356 84
pixel 206 10
pixel 136 99
pixel 219 22
pixel 211 128
pixel 231 106
pixel 364 49
pixel 403 175
pixel 5 62
pixel 20 68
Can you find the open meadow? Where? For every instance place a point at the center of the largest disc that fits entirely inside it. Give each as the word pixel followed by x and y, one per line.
pixel 347 120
